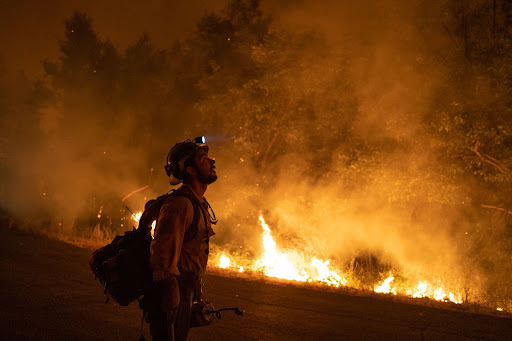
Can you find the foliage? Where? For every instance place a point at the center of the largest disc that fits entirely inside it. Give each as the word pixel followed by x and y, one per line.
pixel 284 105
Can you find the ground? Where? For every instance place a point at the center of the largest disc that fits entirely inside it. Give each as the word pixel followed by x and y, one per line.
pixel 49 293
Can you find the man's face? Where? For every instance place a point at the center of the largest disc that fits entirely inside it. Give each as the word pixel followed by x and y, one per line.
pixel 205 168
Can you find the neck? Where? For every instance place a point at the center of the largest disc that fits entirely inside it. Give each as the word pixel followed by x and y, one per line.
pixel 197 187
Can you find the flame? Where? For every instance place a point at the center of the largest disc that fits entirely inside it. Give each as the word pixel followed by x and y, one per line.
pixel 385 287
pixel 153 225
pixel 137 216
pixel 423 289
pixel 224 262
pixel 295 265
pixel 289 264
pixel 275 263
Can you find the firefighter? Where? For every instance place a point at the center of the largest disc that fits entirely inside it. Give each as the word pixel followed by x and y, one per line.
pixel 179 251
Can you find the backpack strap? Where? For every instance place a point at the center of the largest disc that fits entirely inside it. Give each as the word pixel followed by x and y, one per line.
pixel 152 211
pixel 192 230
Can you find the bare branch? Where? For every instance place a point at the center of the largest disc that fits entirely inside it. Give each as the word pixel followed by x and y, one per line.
pixel 490 160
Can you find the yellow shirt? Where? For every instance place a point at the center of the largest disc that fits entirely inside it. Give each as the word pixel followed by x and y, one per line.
pixel 169 255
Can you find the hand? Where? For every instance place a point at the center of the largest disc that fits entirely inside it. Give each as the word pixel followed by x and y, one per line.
pixel 169 293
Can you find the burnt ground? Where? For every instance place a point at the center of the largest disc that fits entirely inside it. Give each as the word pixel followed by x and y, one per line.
pixel 48 292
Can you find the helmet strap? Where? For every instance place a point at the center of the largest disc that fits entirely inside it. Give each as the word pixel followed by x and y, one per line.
pixel 174 180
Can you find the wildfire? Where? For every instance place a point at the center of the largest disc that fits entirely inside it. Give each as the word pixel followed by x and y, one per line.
pixel 423 289
pixel 224 262
pixel 137 216
pixel 285 264
pixel 385 287
pixel 292 264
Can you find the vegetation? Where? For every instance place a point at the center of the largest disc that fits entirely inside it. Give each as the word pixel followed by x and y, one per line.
pixel 292 121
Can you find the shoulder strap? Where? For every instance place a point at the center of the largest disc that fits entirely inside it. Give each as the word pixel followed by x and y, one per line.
pixel 192 230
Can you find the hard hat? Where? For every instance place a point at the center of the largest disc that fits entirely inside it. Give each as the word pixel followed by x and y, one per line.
pixel 175 166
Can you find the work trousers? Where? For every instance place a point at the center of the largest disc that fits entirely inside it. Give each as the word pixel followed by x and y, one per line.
pixel 167 327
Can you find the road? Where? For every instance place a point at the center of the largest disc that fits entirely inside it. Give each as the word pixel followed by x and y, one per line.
pixel 48 293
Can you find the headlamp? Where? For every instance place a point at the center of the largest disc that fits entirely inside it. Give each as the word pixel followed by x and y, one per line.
pixel 200 140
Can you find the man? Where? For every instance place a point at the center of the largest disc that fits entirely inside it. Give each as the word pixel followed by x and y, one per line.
pixel 179 251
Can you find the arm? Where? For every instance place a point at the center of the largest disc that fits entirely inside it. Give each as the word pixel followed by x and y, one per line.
pixel 175 217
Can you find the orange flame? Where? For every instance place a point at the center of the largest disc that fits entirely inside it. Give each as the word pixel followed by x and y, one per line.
pixel 295 265
pixel 290 264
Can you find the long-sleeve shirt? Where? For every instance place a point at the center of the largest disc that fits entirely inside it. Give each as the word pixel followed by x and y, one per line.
pixel 169 254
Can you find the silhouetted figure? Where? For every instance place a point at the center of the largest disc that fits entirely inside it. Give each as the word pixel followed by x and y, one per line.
pixel 179 251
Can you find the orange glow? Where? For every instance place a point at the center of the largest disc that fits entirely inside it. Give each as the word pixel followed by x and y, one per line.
pixel 284 264
pixel 385 287
pixel 137 216
pixel 224 262
pixel 293 264
pixel 423 289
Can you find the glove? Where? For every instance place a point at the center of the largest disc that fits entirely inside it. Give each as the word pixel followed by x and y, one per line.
pixel 170 294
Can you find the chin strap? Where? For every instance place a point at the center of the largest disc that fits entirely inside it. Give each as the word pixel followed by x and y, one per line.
pixel 174 180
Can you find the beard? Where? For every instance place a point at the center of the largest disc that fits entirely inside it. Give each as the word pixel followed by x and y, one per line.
pixel 207 179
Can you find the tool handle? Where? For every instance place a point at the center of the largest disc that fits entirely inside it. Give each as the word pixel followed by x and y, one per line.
pixel 235 309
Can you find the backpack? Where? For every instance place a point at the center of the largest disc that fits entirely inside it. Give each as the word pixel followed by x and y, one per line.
pixel 123 265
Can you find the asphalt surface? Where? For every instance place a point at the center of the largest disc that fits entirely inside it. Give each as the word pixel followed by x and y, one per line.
pixel 48 293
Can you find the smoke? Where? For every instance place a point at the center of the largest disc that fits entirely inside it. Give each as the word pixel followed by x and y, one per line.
pixel 31 29
pixel 383 187
pixel 322 119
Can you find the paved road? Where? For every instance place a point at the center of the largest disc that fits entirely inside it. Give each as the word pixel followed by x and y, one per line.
pixel 48 293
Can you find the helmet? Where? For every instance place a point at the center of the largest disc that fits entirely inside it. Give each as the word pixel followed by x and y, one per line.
pixel 178 155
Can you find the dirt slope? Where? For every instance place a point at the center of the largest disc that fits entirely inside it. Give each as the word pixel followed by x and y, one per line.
pixel 48 293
